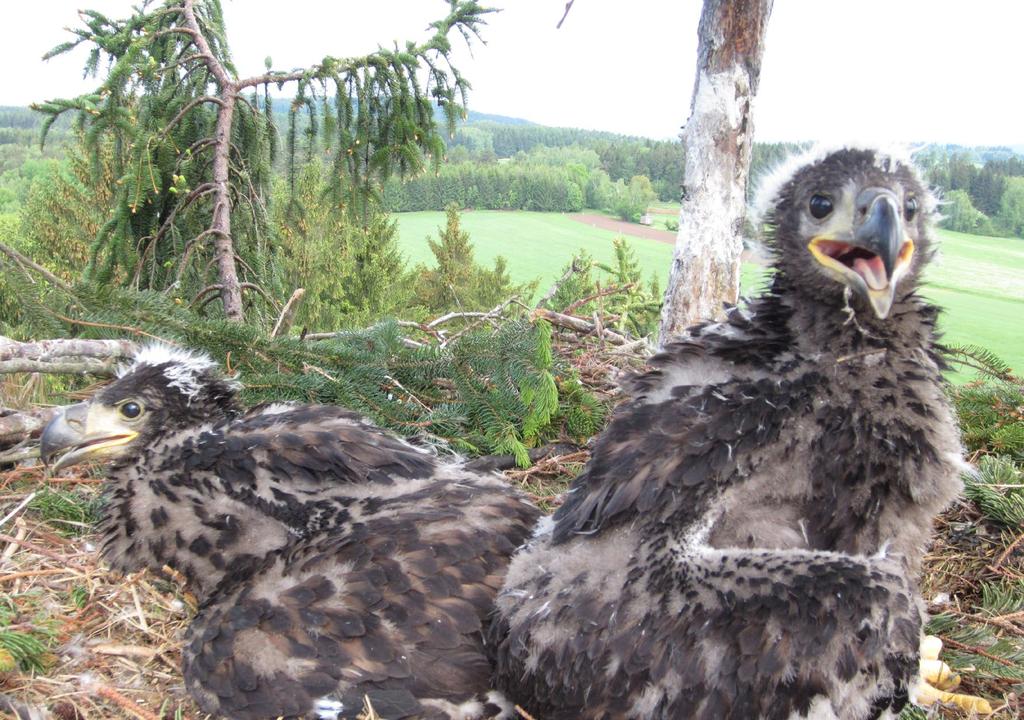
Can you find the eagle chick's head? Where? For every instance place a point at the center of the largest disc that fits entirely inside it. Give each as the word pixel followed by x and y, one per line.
pixel 164 390
pixel 849 224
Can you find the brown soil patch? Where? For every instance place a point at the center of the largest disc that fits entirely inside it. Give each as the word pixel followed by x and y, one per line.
pixel 625 228
pixel 642 231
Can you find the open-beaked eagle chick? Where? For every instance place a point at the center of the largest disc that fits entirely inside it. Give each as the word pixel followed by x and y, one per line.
pixel 332 561
pixel 744 540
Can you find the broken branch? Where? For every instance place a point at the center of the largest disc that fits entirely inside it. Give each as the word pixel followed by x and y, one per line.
pixel 95 357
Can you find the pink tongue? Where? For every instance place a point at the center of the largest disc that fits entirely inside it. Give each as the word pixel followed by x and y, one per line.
pixel 873 272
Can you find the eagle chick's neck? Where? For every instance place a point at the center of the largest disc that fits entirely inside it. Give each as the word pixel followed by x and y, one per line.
pixel 843 325
pixel 161 512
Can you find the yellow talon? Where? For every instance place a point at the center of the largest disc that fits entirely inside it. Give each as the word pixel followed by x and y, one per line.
pixel 927 695
pixel 937 678
pixel 939 674
pixel 931 646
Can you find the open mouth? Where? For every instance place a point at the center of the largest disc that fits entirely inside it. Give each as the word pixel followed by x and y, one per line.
pixel 860 260
pixel 864 263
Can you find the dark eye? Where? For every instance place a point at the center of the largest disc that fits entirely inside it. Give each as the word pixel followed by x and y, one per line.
pixel 910 208
pixel 820 206
pixel 131 410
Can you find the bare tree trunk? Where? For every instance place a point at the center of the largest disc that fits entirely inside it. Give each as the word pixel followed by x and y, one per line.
pixel 220 228
pixel 717 139
pixel 224 248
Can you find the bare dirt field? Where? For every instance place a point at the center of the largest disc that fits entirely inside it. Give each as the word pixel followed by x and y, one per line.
pixel 626 228
pixel 634 230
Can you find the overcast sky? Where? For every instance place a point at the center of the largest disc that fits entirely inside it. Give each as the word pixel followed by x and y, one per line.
pixel 876 70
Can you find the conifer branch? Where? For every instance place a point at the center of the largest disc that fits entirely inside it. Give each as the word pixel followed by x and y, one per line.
pixel 186 109
pixel 383 121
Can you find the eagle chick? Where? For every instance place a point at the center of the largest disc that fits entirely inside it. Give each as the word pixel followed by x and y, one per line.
pixel 332 560
pixel 744 540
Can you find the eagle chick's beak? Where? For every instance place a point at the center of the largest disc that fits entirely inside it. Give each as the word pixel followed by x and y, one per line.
pixel 878 254
pixel 84 432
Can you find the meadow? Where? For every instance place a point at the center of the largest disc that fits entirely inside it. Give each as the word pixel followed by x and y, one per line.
pixel 978 281
pixel 537 245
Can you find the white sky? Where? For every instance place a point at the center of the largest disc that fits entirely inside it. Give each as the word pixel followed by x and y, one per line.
pixel 875 70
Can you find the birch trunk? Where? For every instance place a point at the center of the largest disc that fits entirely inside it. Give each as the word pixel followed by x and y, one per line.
pixel 717 139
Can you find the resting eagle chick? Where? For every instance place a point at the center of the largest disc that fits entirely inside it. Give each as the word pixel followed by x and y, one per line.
pixel 332 560
pixel 744 540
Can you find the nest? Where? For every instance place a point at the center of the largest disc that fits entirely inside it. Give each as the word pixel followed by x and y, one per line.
pixel 114 642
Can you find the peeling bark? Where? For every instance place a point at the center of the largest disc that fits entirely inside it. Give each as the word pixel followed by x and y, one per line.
pixel 19 425
pixel 92 357
pixel 718 139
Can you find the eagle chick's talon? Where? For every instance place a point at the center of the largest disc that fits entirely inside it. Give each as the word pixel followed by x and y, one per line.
pixel 939 675
pixel 927 695
pixel 933 671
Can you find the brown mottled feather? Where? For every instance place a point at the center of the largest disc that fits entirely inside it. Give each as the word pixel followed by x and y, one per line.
pixel 333 560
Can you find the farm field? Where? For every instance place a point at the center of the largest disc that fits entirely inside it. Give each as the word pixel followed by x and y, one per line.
pixel 979 281
pixel 536 244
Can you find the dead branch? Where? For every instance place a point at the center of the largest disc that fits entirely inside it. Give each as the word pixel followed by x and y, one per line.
pixel 571 322
pixel 457 316
pixel 576 267
pixel 495 312
pixel 407 342
pixel 93 357
pixel 284 320
pixel 23 261
pixel 19 425
pixel 19 453
pixel 568 7
pixel 611 290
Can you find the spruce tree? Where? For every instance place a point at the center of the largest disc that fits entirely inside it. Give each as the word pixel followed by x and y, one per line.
pixel 193 142
pixel 457 282
pixel 448 285
pixel 353 274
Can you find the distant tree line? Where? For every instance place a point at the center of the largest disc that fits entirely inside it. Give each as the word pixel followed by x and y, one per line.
pixel 504 163
pixel 982 192
pixel 620 156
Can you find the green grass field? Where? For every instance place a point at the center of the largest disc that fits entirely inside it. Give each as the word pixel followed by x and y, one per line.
pixel 979 281
pixel 536 245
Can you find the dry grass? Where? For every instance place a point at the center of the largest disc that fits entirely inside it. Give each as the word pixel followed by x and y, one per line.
pixel 115 640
